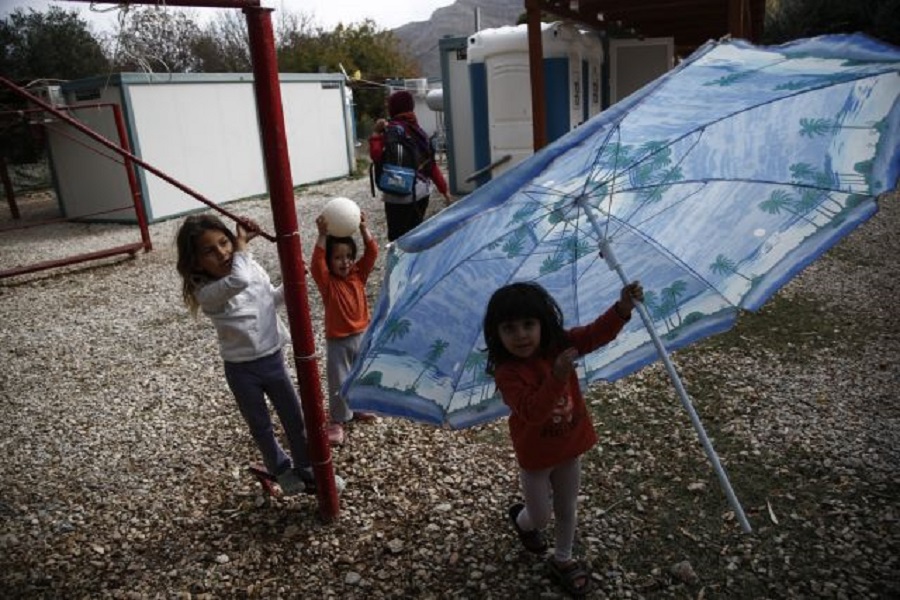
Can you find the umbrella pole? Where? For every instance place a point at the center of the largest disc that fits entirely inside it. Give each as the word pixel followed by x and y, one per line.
pixel 609 256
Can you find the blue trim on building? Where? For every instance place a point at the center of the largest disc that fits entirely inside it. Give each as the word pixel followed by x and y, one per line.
pixel 480 117
pixel 556 93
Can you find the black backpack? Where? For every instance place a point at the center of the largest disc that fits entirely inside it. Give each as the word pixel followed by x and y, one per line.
pixel 403 161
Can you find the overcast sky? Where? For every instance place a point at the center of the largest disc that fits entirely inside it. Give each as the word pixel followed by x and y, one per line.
pixel 326 13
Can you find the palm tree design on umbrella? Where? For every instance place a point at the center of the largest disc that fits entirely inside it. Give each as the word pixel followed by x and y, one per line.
pixel 435 351
pixel 726 266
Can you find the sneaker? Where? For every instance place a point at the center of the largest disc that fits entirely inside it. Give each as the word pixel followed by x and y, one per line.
pixel 290 483
pixel 532 540
pixel 336 434
pixel 309 481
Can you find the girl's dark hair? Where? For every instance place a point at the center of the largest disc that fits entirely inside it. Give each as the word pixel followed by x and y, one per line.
pixel 191 229
pixel 524 300
pixel 331 241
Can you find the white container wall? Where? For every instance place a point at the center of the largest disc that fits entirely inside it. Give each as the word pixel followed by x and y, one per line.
pixel 457 99
pixel 592 67
pixel 87 181
pixel 202 131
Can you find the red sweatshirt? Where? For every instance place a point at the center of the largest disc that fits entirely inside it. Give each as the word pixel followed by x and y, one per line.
pixel 346 308
pixel 549 421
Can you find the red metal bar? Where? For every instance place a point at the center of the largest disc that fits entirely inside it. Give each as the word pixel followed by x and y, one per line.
pixel 293 271
pixel 79 218
pixel 112 146
pixel 70 260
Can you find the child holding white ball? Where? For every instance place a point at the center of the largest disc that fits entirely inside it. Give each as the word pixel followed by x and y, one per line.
pixel 341 280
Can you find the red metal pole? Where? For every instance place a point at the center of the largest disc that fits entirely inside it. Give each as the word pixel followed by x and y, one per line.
pixel 132 178
pixel 290 254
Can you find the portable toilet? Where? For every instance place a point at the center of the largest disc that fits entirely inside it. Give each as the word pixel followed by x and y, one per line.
pixel 500 81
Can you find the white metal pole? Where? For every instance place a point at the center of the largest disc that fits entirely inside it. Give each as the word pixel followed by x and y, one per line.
pixel 610 258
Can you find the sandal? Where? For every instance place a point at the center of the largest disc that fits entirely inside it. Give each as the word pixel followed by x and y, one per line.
pixel 572 576
pixel 335 433
pixel 532 540
pixel 364 417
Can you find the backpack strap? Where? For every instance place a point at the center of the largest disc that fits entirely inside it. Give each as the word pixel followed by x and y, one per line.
pixel 419 139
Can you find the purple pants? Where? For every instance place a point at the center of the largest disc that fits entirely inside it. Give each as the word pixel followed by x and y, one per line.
pixel 251 382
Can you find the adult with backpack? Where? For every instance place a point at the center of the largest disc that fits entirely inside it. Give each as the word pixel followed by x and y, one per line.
pixel 403 166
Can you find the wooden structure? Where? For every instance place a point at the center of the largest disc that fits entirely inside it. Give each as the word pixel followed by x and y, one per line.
pixel 690 22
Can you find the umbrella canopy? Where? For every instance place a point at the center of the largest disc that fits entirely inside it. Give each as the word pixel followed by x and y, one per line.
pixel 714 185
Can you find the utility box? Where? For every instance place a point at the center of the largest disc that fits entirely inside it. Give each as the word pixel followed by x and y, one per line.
pixel 199 129
pixel 634 63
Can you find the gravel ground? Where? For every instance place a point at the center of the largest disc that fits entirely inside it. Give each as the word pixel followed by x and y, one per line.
pixel 125 458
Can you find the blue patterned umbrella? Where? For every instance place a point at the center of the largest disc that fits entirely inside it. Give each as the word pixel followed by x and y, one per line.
pixel 714 185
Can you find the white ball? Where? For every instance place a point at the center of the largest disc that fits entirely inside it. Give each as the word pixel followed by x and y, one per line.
pixel 342 217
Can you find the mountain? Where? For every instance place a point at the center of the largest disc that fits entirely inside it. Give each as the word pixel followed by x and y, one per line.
pixel 421 38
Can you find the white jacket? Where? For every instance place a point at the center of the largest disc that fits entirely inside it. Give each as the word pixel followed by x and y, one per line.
pixel 242 307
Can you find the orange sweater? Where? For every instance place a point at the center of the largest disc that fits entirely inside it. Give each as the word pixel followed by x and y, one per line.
pixel 346 307
pixel 549 421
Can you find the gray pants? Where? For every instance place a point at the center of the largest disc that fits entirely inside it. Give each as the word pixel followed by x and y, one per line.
pixel 340 354
pixel 251 382
pixel 560 485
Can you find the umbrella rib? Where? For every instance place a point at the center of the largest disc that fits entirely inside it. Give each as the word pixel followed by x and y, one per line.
pixel 704 180
pixel 708 180
pixel 663 251
pixel 615 170
pixel 668 174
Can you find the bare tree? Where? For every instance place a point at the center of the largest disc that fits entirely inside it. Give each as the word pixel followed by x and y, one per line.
pixel 223 46
pixel 156 39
